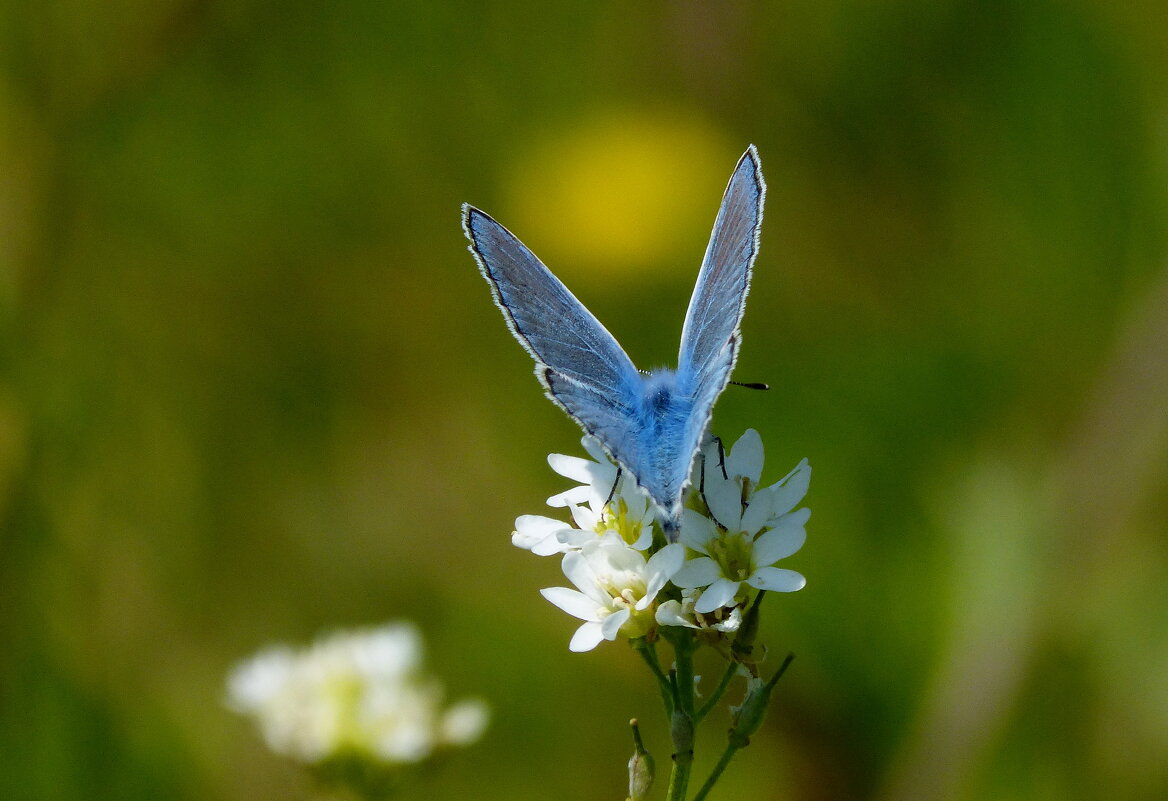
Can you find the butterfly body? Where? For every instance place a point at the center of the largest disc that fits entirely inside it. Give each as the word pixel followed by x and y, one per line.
pixel 652 423
pixel 664 411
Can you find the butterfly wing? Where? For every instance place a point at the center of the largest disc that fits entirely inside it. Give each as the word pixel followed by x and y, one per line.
pixel 709 338
pixel 580 364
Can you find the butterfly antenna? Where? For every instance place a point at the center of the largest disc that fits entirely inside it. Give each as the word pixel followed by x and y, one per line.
pixel 751 384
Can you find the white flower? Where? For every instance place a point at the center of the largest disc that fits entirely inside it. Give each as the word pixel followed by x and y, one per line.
pixel 607 500
pixel 541 535
pixel 681 613
pixel 362 692
pixel 629 515
pixel 596 477
pixel 617 589
pixel 748 530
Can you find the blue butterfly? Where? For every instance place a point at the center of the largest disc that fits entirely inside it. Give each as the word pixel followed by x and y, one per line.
pixel 651 423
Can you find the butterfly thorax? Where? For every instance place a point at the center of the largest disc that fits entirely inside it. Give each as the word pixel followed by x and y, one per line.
pixel 660 392
pixel 664 414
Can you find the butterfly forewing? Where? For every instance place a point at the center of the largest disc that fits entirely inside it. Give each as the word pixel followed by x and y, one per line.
pixel 719 297
pixel 709 338
pixel 543 315
pixel 580 364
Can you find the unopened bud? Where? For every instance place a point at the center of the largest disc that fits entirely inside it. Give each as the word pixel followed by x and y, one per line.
pixel 640 767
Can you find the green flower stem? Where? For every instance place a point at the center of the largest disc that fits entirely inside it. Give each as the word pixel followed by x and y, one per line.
pixel 749 718
pixel 648 652
pixel 713 700
pixel 683 648
pixel 716 773
pixel 682 730
pixel 682 720
pixel 742 650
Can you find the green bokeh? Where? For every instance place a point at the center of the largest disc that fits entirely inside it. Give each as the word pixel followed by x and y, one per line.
pixel 252 387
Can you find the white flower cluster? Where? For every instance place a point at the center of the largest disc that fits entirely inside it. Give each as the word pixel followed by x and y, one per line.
pixel 629 580
pixel 362 694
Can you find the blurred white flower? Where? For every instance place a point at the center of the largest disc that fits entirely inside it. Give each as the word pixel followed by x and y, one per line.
pixel 361 693
pixel 617 589
pixel 747 530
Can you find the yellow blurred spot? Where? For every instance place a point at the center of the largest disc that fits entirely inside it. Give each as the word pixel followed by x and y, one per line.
pixel 621 192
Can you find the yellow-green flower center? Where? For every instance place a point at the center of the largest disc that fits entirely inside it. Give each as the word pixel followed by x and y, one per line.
pixel 626 590
pixel 734 553
pixel 616 518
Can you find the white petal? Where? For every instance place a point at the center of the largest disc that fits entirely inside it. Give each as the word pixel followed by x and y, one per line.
pixel 724 497
pixel 645 510
pixel 661 567
pixel 732 622
pixel 644 540
pixel 667 561
pixel 793 520
pixel 612 553
pixel 790 491
pixel 586 638
pixel 572 497
pixel 574 538
pixel 671 613
pixel 538 534
pixel 696 530
pixel 698 572
pixel 778 543
pixel 584 517
pixel 537 526
pixel 580 573
pixel 575 603
pixel 595 449
pixel 551 546
pixel 745 457
pixel 777 579
pixel 531 529
pixel 758 512
pixel 610 626
pixel 720 593
pixel 573 467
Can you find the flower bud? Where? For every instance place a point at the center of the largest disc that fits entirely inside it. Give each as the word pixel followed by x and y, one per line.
pixel 640 768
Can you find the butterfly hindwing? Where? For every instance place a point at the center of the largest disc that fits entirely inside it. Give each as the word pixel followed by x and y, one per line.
pixel 604 416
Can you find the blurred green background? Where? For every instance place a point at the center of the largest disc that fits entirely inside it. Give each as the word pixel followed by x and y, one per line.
pixel 252 386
